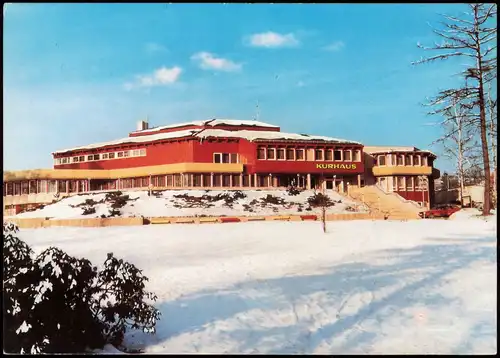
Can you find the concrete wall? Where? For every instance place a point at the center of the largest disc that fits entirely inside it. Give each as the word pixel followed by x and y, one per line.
pixel 36 223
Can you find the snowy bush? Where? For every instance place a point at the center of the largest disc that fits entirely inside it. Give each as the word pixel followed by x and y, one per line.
pixel 320 200
pixel 87 210
pixel 55 303
pixel 292 191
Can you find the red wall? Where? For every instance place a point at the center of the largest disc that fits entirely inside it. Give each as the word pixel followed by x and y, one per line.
pixel 203 150
pixel 197 151
pixel 414 195
pixel 285 166
pixel 156 154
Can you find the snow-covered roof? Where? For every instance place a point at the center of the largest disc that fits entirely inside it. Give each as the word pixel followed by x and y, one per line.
pixel 205 133
pixel 263 135
pixel 387 149
pixel 141 139
pixel 211 122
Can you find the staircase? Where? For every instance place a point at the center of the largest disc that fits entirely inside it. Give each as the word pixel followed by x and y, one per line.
pixel 391 205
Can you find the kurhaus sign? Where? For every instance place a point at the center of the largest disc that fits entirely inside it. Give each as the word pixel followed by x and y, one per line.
pixel 335 166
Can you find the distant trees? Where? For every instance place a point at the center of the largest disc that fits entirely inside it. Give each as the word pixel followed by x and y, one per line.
pixel 467 109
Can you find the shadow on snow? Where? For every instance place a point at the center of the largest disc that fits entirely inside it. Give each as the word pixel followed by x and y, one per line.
pixel 421 269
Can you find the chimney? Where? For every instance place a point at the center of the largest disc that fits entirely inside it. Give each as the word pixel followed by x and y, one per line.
pixel 142 125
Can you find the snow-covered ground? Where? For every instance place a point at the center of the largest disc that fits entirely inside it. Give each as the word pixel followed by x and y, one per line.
pixel 166 204
pixel 376 287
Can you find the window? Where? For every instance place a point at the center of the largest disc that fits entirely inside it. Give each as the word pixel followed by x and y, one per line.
pixel 328 154
pixel 416 160
pixel 96 156
pixel 225 158
pixel 75 159
pixel 105 155
pixel 234 158
pixel 206 180
pixel 381 160
pixel 337 154
pixel 347 155
pixel 424 161
pixel 120 155
pixel 126 153
pixel 409 183
pixel 409 160
pixel 318 154
pixel 136 152
pixel 218 180
pixel 261 153
pixel 217 158
pixel 300 154
pixel 271 154
pixel 281 153
pixel 81 158
pixel 236 180
pixel 401 183
pixel 111 155
pixel 290 154
pixel 143 152
pixel 90 157
pixel 400 160
pixel 32 187
pixel 24 188
pixel 357 156
pixel 197 180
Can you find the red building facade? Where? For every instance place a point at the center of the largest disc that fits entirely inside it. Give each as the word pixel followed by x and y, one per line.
pixel 211 154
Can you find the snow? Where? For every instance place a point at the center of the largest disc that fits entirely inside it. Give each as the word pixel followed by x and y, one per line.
pixel 364 287
pixel 267 135
pixel 23 328
pixel 141 139
pixel 384 149
pixel 210 122
pixel 151 206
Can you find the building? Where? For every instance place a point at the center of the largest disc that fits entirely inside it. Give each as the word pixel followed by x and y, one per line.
pixel 219 154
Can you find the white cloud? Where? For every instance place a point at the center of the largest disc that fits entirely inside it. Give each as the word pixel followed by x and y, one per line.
pixel 161 77
pixel 272 39
pixel 153 47
pixel 209 61
pixel 335 46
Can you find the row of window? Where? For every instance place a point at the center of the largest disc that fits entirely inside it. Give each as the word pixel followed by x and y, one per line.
pixel 401 183
pixel 170 180
pixel 347 155
pixel 226 158
pixel 103 156
pixel 44 186
pixel 401 159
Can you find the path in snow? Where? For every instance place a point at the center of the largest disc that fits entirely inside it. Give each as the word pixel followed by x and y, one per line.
pixel 425 286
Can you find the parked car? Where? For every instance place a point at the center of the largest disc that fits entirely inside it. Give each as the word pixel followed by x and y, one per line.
pixel 440 211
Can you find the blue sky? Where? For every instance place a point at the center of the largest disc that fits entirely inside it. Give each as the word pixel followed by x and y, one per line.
pixel 76 74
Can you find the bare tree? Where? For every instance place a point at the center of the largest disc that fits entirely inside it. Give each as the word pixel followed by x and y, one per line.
pixel 458 142
pixel 469 37
pixel 492 131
